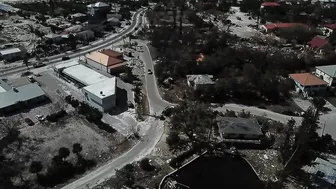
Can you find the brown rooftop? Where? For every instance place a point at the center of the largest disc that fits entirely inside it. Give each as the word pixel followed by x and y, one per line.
pixel 111 53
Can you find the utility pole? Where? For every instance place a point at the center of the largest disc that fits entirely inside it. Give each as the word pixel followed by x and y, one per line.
pixel 323 128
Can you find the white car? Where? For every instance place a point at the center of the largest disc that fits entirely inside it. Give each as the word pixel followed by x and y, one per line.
pixel 31 79
pixel 40 117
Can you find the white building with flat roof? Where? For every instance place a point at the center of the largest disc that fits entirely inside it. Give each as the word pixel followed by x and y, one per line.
pixel 84 75
pixel 13 54
pixel 101 95
pixel 99 91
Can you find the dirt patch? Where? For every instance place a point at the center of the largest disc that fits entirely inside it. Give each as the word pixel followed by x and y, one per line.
pixel 175 92
pixel 265 162
pixel 42 141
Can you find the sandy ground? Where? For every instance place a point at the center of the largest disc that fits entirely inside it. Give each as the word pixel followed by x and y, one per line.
pixel 240 27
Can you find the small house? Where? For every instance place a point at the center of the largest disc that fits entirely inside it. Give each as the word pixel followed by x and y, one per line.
pixel 86 35
pixel 328 29
pixel 243 130
pixel 307 83
pixel 327 73
pixel 199 81
pixel 322 172
pixel 13 54
pixel 106 60
pixel 320 43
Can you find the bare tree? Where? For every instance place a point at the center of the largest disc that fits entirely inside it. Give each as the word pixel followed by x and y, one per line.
pixel 9 125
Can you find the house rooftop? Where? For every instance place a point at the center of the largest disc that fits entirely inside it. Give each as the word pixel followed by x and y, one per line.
pixel 307 79
pixel 77 15
pixel 325 169
pixel 98 4
pixel 270 4
pixel 281 25
pixel 105 57
pixel 103 89
pixel 22 93
pixel 111 53
pixel 4 86
pixel 235 125
pixel 329 70
pixel 330 26
pixel 84 74
pixel 318 42
pixel 201 79
pixel 52 36
pixel 10 51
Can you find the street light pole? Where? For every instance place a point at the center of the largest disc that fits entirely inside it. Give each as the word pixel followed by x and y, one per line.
pixel 323 128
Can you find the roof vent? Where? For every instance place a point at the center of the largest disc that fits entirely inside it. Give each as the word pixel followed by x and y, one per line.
pixel 15 89
pixel 101 92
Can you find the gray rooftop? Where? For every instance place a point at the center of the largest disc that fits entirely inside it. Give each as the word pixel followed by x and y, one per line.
pixel 201 79
pixel 10 51
pixel 329 70
pixel 233 125
pixel 22 93
pixel 4 86
pixel 324 169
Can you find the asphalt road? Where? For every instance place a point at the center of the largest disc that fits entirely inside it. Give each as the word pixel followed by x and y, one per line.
pixel 143 147
pixel 155 101
pixel 136 21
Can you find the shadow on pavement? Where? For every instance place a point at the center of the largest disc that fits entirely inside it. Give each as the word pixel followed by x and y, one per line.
pixel 121 102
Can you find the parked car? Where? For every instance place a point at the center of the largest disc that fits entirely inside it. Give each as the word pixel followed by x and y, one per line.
pixel 38 65
pixel 150 72
pixel 40 117
pixel 31 79
pixel 65 58
pixel 29 122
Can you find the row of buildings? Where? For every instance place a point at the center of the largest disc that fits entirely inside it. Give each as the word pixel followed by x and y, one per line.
pixel 306 83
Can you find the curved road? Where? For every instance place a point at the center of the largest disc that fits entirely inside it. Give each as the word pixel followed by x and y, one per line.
pixel 136 21
pixel 143 147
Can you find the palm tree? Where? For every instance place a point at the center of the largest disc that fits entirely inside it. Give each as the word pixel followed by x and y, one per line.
pixel 35 167
pixel 77 148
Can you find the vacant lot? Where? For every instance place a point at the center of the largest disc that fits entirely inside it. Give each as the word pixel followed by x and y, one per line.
pixel 42 141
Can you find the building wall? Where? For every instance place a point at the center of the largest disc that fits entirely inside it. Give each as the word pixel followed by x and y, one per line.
pixel 117 69
pixel 28 103
pixel 96 65
pixel 327 31
pixel 325 77
pixel 109 102
pixel 93 100
pixel 241 136
pixel 307 89
pixel 85 35
pixel 14 56
pixel 96 102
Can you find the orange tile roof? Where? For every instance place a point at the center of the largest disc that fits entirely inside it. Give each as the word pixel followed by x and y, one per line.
pixel 103 59
pixel 307 79
pixel 111 53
